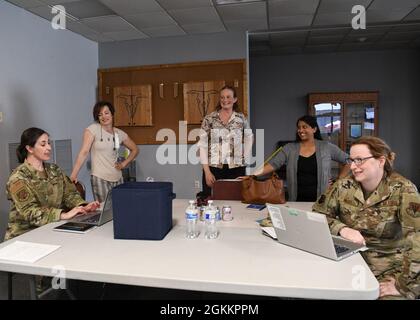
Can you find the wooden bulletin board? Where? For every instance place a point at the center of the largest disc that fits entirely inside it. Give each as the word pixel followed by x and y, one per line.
pixel 150 98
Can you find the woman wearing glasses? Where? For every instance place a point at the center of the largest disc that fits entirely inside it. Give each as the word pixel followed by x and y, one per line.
pixel 308 162
pixel 380 208
pixel 104 140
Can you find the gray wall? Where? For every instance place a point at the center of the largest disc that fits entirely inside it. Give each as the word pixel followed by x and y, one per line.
pixel 219 46
pixel 47 79
pixel 279 86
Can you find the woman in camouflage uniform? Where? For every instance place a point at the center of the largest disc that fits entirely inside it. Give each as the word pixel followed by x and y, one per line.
pixel 380 208
pixel 40 192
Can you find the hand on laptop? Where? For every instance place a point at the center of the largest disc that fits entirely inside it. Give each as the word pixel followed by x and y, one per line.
pixel 352 235
pixel 92 206
pixel 73 212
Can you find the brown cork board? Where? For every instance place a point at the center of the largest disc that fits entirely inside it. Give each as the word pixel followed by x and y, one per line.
pixel 166 85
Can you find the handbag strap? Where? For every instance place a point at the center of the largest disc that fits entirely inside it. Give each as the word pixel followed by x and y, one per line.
pixel 270 157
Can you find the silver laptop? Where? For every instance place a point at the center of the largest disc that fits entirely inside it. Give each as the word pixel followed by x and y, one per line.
pixel 309 231
pixel 98 217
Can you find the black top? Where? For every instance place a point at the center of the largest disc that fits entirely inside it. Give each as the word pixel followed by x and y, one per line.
pixel 307 178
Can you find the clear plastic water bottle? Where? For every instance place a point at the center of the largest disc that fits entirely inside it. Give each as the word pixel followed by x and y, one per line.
pixel 191 216
pixel 210 221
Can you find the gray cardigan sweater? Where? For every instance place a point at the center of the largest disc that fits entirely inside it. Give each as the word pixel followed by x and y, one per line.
pixel 325 152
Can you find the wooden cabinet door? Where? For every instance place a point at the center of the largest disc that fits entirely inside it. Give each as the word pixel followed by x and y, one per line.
pixel 133 105
pixel 200 99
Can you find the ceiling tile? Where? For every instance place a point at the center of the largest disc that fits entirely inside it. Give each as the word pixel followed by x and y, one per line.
pixel 52 2
pixel 80 28
pixel 330 6
pixel 373 16
pixel 125 35
pixel 107 24
pixel 150 19
pixel 288 22
pixel 414 15
pixel 256 10
pixel 281 8
pixel 336 18
pixel 99 38
pixel 393 4
pixel 45 12
pixel 204 28
pixel 27 3
pixel 184 4
pixel 246 25
pixel 195 16
pixel 87 9
pixel 129 7
pixel 164 31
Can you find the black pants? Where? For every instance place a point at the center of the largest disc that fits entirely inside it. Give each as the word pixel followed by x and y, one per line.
pixel 223 173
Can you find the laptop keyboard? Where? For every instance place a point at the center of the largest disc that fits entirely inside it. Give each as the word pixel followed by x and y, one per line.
pixel 340 249
pixel 92 219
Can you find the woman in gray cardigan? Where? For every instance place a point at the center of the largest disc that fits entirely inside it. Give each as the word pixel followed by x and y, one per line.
pixel 308 162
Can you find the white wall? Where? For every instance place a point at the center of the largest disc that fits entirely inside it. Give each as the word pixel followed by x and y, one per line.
pixel 47 79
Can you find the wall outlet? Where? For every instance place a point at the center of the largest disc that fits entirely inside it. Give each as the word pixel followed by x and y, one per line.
pixel 1 116
pixel 197 184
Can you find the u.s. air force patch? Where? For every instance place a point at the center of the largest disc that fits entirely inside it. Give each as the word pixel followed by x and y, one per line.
pixel 20 190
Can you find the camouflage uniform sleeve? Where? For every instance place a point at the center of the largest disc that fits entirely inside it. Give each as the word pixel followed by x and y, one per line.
pixel 408 283
pixel 28 206
pixel 328 204
pixel 71 197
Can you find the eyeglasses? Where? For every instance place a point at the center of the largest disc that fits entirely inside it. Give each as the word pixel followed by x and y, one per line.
pixel 358 161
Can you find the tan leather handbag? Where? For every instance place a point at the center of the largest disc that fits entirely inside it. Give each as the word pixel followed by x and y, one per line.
pixel 260 192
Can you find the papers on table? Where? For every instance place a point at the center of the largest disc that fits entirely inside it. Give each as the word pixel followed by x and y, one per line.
pixel 21 251
pixel 269 231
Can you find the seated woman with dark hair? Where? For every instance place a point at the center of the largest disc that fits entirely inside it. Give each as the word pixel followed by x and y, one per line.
pixel 308 161
pixel 40 192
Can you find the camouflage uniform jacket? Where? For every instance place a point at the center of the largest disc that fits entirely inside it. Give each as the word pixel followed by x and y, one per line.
pixel 38 200
pixel 389 220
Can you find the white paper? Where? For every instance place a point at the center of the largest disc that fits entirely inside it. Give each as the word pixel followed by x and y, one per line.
pixel 369 126
pixel 315 217
pixel 276 217
pixel 270 231
pixel 21 251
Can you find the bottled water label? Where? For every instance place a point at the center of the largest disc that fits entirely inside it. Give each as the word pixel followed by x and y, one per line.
pixel 191 215
pixel 210 216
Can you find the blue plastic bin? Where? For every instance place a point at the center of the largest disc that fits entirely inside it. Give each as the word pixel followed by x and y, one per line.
pixel 142 210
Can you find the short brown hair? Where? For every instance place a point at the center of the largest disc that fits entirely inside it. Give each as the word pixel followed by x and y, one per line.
pixel 98 106
pixel 378 148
